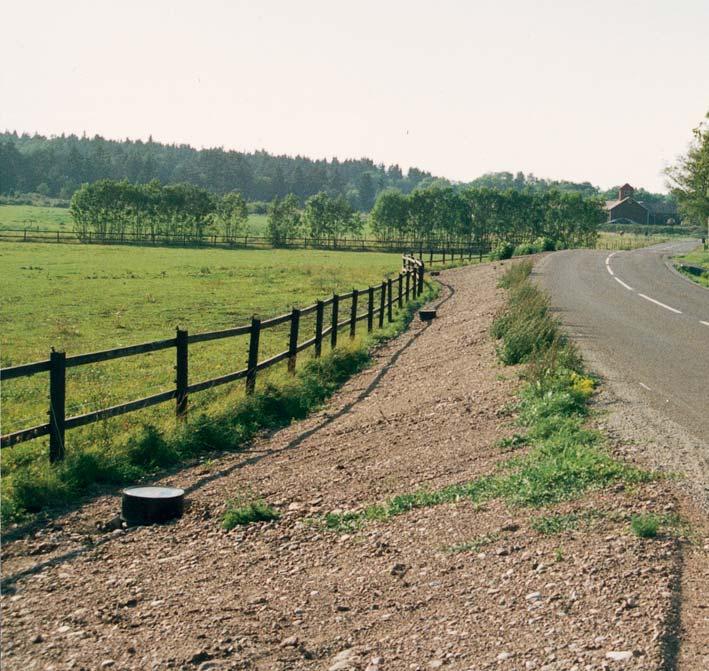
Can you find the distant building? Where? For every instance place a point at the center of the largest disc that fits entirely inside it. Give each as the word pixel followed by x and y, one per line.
pixel 626 209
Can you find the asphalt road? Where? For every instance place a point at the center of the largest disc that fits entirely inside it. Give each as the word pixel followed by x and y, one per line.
pixel 641 322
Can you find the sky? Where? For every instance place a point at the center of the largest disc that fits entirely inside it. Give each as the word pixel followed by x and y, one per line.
pixel 606 90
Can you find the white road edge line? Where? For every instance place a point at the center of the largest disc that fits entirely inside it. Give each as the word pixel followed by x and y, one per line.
pixel 623 283
pixel 644 386
pixel 705 323
pixel 662 305
pixel 608 264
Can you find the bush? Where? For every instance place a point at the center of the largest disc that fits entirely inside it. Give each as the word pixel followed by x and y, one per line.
pixel 239 513
pixel 545 244
pixel 645 526
pixel 525 249
pixel 502 251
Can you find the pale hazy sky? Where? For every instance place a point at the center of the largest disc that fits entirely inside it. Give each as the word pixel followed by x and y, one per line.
pixel 603 90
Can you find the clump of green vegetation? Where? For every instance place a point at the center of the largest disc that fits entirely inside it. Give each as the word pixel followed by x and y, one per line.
pixel 565 460
pixel 699 259
pixel 645 526
pixel 556 523
pixel 513 442
pixel 240 513
pixel 474 545
pixel 525 328
pixel 503 250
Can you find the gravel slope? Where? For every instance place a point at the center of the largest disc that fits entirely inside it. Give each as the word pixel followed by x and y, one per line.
pixel 292 595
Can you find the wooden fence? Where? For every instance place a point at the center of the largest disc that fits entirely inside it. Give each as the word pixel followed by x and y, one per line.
pixel 379 302
pixel 469 248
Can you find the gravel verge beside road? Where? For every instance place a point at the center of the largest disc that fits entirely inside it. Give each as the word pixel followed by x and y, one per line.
pixel 456 586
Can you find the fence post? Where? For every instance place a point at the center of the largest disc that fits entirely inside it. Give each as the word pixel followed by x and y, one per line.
pixel 335 319
pixel 401 289
pixel 444 256
pixel 293 340
pixel 319 312
pixel 370 310
pixel 353 313
pixel 253 355
pixel 181 377
pixel 389 301
pixel 430 257
pixel 382 300
pixel 422 270
pixel 57 405
pixel 408 283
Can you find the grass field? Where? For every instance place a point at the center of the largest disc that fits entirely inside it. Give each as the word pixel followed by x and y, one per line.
pixel 33 217
pixel 78 300
pixel 81 300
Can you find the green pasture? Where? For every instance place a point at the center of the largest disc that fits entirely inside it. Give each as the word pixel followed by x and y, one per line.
pixel 32 217
pixel 35 217
pixel 78 299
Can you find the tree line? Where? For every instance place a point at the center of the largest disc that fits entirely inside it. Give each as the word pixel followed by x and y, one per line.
pixel 57 166
pixel 111 208
pixel 474 214
pixel 117 209
pixel 440 214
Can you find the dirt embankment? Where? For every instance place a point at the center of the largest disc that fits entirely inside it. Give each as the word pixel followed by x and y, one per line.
pixel 455 586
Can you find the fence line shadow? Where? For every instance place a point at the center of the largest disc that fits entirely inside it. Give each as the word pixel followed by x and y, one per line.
pixel 7 582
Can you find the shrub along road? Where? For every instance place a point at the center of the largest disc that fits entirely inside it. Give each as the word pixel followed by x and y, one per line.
pixel 411 524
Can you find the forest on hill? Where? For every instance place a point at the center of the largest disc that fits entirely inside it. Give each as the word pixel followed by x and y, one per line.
pixel 57 166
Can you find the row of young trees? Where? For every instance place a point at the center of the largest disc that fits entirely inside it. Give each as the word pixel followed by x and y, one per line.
pixel 474 214
pixel 112 208
pixel 115 208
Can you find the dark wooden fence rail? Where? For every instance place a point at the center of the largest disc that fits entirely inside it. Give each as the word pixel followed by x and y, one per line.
pixel 409 285
pixel 466 248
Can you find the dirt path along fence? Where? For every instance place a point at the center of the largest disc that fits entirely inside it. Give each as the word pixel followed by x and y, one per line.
pixel 378 302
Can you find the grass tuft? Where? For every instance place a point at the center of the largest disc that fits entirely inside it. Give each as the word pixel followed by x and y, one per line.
pixel 239 513
pixel 645 526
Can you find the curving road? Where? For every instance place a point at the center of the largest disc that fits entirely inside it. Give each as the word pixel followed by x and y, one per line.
pixel 641 323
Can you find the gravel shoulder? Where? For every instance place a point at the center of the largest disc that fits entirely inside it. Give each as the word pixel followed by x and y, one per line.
pixel 458 586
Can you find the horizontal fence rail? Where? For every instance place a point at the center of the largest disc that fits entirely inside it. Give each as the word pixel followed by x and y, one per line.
pixel 481 244
pixel 366 304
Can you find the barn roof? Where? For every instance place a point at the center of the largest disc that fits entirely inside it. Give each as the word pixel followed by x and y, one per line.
pixel 610 204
